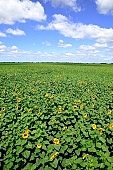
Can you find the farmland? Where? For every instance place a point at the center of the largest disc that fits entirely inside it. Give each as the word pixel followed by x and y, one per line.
pixel 56 116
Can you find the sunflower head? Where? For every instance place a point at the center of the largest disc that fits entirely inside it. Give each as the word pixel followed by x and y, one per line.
pixel 84 115
pixel 109 112
pixel 18 100
pixel 75 107
pixel 3 109
pixel 46 95
pixel 94 126
pixel 39 145
pixel 54 156
pixel 100 129
pixel 25 135
pixel 111 126
pixel 56 141
pixel 64 128
pixel 53 120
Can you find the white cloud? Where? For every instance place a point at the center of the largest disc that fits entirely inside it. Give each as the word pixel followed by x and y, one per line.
pixel 16 10
pixel 98 45
pixel 78 30
pixel 2 47
pixel 86 47
pixel 65 3
pixel 95 53
pixel 84 53
pixel 14 47
pixel 46 43
pixel 17 32
pixel 2 34
pixel 62 45
pixel 105 6
pixel 69 54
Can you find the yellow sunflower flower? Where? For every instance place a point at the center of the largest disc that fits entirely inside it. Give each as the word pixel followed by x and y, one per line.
pixel 39 145
pixel 109 112
pixel 64 128
pixel 3 92
pixel 53 120
pixel 82 106
pixel 39 113
pixel 84 115
pixel 16 107
pixel 60 111
pixel 25 135
pixel 94 126
pixel 75 107
pixel 78 101
pixel 3 108
pixel 18 100
pixel 100 129
pixel 46 95
pixel 56 141
pixel 111 126
pixel 54 156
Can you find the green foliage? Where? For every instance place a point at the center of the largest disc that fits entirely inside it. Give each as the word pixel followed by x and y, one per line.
pixel 56 116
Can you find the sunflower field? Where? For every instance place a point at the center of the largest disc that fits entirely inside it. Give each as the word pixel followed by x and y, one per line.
pixel 56 116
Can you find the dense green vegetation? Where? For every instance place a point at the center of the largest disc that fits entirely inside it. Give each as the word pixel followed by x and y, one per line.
pixel 56 116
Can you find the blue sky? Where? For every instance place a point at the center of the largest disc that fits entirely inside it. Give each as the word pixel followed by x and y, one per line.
pixel 56 31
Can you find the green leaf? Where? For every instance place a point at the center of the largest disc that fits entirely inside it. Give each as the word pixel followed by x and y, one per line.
pixel 38 162
pixel 8 166
pixel 78 138
pixel 64 147
pixel 78 161
pixel 26 154
pixel 29 145
pixel 64 161
pixel 54 164
pixel 70 150
pixel 29 166
pixel 78 152
pixel 92 149
pixel 48 168
pixel 98 145
pixel 44 160
pixel 42 155
pixel 57 147
pixel 102 139
pixel 104 148
pixel 19 149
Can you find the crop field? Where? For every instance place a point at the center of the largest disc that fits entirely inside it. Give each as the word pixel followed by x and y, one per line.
pixel 56 116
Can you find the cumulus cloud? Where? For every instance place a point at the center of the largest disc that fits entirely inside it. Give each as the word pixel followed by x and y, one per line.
pixel 99 45
pixel 17 32
pixel 96 53
pixel 65 3
pixel 2 47
pixel 104 6
pixel 86 47
pixel 46 43
pixel 16 10
pixel 14 47
pixel 2 34
pixel 78 30
pixel 63 45
pixel 69 54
